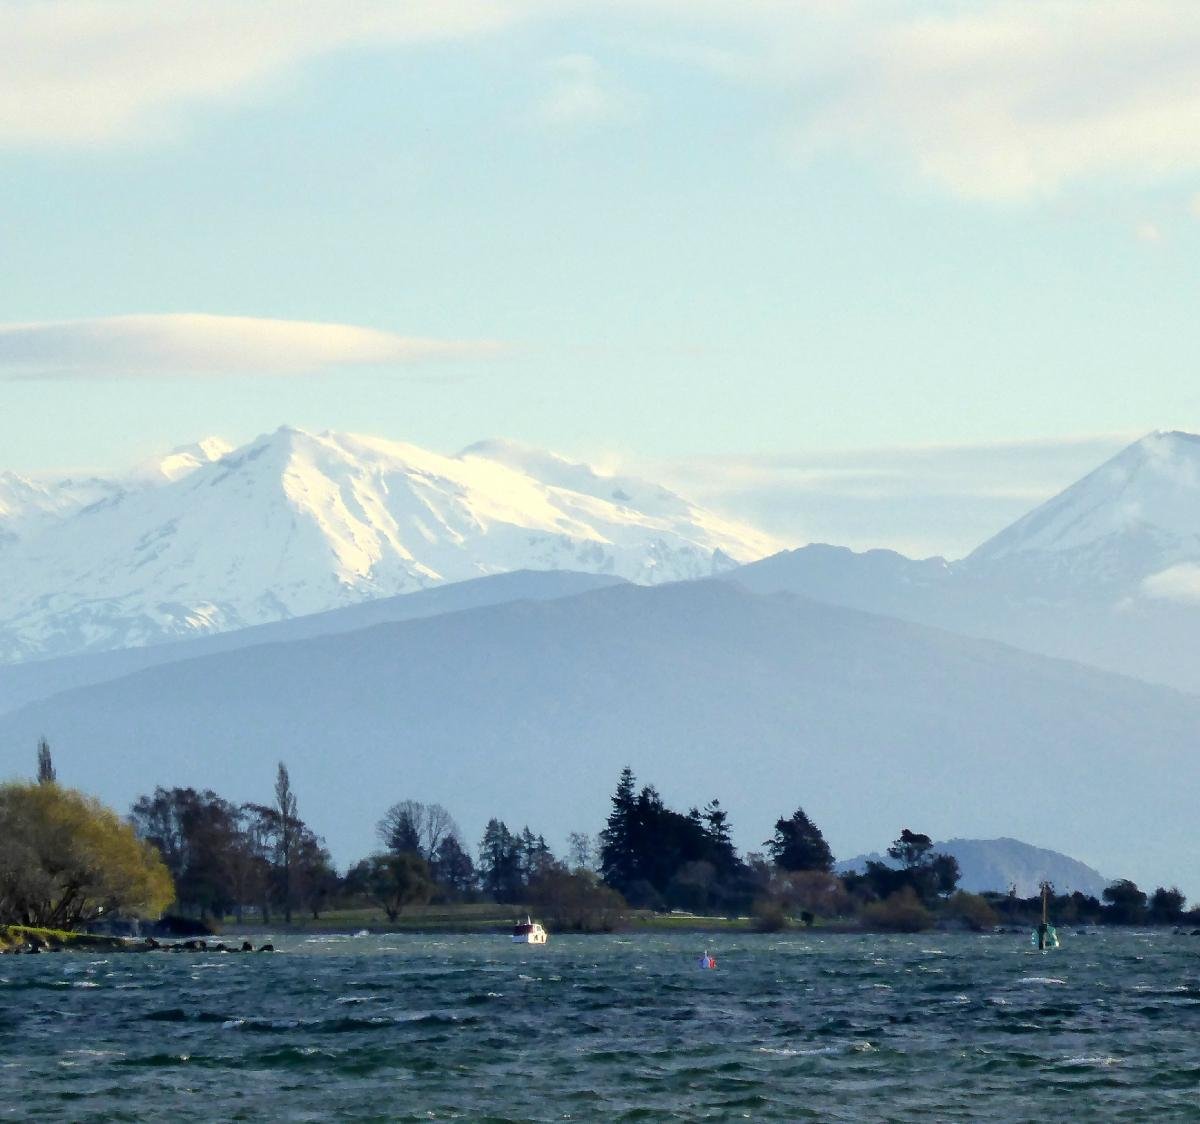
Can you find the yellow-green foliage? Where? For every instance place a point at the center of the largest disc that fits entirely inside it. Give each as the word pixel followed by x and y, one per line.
pixel 65 858
pixel 901 912
pixel 20 936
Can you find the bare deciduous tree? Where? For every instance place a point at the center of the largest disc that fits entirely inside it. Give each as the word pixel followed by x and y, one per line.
pixel 410 827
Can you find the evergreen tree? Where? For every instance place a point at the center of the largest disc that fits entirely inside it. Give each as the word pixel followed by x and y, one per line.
pixel 1166 906
pixel 400 829
pixel 45 765
pixel 911 848
pixel 929 874
pixel 500 862
pixel 453 867
pixel 618 852
pixel 1126 903
pixel 799 845
pixel 723 855
pixel 287 838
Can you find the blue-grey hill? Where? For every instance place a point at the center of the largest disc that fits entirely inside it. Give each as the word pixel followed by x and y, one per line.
pixel 528 710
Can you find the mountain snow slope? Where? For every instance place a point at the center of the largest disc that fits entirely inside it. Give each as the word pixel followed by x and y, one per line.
pixel 28 507
pixel 528 710
pixel 39 679
pixel 997 864
pixel 1106 572
pixel 210 539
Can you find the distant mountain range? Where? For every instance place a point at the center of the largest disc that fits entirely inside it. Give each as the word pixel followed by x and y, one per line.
pixel 1001 864
pixel 28 682
pixel 212 539
pixel 395 623
pixel 1107 572
pixel 528 710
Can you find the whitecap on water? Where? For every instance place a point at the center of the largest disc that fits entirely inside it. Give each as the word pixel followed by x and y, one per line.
pixel 1048 980
pixel 859 1047
pixel 1087 1059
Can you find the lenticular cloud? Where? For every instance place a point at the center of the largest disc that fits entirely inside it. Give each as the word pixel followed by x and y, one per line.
pixel 198 344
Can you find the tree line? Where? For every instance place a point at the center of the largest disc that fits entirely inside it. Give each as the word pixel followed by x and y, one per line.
pixel 65 860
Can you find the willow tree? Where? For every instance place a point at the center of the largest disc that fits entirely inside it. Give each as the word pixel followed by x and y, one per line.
pixel 65 859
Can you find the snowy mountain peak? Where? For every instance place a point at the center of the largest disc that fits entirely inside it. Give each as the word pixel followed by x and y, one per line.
pixel 1145 501
pixel 210 538
pixel 182 460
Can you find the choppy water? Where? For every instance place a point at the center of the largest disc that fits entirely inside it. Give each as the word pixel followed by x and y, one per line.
pixel 933 1027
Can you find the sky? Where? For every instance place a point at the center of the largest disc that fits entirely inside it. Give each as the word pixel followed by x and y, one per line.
pixel 877 273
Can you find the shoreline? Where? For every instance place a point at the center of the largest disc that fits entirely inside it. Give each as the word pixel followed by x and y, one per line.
pixel 17 940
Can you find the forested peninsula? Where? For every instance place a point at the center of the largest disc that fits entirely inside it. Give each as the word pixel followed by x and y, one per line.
pixel 188 862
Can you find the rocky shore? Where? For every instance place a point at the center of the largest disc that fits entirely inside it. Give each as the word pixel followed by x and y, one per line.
pixel 24 939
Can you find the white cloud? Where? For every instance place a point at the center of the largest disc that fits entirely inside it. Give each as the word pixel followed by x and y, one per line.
pixel 581 93
pixel 1148 232
pixel 1176 583
pixel 198 344
pixel 82 72
pixel 998 100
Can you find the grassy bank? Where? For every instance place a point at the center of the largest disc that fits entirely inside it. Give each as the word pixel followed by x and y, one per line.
pixel 475 917
pixel 20 937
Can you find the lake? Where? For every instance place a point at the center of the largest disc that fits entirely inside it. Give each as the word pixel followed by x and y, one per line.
pixel 932 1027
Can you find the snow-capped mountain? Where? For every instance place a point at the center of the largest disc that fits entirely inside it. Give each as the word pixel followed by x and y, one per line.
pixel 27 506
pixel 1133 518
pixel 1106 572
pixel 30 506
pixel 211 538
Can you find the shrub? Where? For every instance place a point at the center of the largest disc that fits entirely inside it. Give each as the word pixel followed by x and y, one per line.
pixel 576 901
pixel 768 916
pixel 901 912
pixel 973 910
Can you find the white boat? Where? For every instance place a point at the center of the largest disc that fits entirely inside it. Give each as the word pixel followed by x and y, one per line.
pixel 528 932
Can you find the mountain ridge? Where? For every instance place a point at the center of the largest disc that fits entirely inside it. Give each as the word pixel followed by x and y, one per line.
pixel 1107 572
pixel 210 539
pixel 528 710
pixel 998 864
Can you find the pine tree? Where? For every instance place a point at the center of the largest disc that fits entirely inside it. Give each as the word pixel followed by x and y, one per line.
pixel 618 844
pixel 716 821
pixel 799 845
pixel 911 849
pixel 500 862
